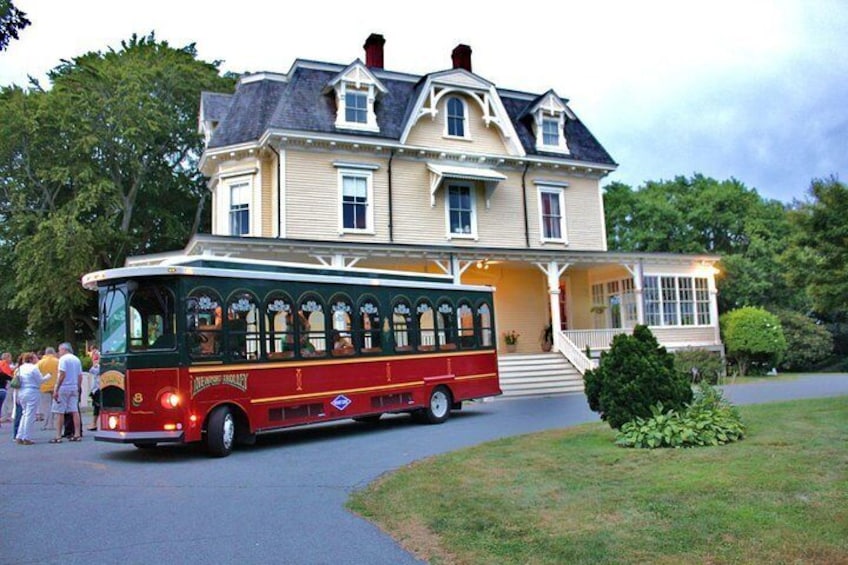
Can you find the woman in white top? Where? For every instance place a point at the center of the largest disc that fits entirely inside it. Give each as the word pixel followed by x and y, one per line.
pixel 28 395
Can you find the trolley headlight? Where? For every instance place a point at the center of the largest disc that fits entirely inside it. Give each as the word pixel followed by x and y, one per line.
pixel 113 422
pixel 170 400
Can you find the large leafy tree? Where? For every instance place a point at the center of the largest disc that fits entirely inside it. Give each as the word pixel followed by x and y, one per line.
pixel 817 258
pixel 12 21
pixel 100 166
pixel 703 215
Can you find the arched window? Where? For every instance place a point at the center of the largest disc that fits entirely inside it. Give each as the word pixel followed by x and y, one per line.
pixel 279 326
pixel 426 326
pixel 312 326
pixel 402 325
pixel 152 318
pixel 368 330
pixel 465 325
pixel 341 332
pixel 446 324
pixel 204 323
pixel 456 117
pixel 484 323
pixel 242 327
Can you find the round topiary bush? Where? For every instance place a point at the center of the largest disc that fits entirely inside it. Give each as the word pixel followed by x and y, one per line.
pixel 754 339
pixel 634 375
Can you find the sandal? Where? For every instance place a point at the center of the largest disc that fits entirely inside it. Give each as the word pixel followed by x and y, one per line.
pixel 76 438
pixel 56 440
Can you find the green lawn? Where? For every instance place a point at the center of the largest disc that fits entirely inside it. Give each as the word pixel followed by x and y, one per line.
pixel 571 496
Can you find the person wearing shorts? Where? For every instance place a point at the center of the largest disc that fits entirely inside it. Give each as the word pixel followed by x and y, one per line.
pixel 66 393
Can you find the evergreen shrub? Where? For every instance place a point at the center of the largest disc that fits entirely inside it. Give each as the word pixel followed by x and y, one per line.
pixel 634 375
pixel 754 339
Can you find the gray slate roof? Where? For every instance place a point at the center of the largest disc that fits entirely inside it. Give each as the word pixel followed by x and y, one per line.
pixel 300 104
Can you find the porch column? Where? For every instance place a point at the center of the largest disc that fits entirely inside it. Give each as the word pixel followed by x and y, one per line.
pixel 637 289
pixel 714 306
pixel 554 272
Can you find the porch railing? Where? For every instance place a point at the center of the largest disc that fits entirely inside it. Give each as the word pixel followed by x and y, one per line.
pixel 593 339
pixel 574 354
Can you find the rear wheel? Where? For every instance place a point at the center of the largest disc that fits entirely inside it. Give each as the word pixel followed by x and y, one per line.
pixel 220 432
pixel 439 406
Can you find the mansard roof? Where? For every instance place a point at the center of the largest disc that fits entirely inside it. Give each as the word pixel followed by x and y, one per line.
pixel 298 102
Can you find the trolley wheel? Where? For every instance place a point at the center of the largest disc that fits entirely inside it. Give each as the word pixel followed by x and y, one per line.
pixel 369 419
pixel 439 406
pixel 220 432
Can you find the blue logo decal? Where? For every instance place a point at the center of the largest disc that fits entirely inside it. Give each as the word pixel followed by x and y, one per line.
pixel 341 402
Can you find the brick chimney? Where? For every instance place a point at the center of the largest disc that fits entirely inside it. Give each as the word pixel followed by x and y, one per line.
pixel 374 50
pixel 461 56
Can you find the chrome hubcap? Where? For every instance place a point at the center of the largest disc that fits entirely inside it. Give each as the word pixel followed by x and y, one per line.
pixel 229 431
pixel 439 404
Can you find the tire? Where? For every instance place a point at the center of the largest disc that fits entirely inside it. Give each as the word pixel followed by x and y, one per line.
pixel 438 407
pixel 369 419
pixel 220 432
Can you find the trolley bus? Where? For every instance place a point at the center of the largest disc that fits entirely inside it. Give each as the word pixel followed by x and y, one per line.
pixel 217 350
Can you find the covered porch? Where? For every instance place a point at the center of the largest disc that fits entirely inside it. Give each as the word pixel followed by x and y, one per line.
pixel 586 297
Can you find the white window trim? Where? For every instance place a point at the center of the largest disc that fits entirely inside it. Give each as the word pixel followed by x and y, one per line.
pixel 341 113
pixel 558 188
pixel 678 308
pixel 466 122
pixel 562 145
pixel 223 203
pixel 446 189
pixel 364 172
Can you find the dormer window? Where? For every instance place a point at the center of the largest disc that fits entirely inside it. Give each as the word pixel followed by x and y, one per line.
pixel 549 117
pixel 356 107
pixel 456 117
pixel 356 91
pixel 550 132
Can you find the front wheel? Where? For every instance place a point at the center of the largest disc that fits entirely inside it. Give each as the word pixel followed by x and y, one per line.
pixel 220 432
pixel 439 406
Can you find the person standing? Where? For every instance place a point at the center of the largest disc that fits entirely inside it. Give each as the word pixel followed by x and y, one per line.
pixel 95 388
pixel 66 393
pixel 6 373
pixel 49 367
pixel 28 395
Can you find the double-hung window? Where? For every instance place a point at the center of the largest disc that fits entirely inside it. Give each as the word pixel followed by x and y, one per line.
pixel 461 212
pixel 550 132
pixel 356 201
pixel 240 208
pixel 550 201
pixel 456 117
pixel 552 225
pixel 356 107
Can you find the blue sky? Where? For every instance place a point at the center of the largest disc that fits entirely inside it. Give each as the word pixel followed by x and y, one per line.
pixel 752 90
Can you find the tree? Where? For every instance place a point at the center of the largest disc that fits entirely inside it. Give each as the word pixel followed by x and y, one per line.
pixel 754 339
pixel 12 21
pixel 634 375
pixel 817 258
pixel 703 215
pixel 99 167
pixel 807 342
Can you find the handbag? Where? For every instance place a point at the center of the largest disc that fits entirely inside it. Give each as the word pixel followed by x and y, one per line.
pixel 16 380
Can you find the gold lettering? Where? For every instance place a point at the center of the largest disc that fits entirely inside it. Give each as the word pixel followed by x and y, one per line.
pixel 236 380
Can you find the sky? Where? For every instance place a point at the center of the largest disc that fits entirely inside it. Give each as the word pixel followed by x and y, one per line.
pixel 753 90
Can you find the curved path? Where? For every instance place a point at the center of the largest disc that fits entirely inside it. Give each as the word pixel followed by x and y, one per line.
pixel 281 501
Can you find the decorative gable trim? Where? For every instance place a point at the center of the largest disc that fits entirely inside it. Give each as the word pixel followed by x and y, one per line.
pixel 484 93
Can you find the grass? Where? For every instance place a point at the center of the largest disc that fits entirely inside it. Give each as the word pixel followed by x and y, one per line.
pixel 571 496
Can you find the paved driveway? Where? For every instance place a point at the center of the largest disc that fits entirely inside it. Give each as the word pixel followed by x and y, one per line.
pixel 281 501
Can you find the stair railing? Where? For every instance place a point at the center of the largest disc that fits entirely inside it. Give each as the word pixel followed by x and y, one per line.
pixel 571 352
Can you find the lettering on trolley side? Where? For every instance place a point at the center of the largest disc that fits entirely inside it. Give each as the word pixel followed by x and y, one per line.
pixel 235 380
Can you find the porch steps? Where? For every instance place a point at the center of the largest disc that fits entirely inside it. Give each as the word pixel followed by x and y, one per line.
pixel 538 375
